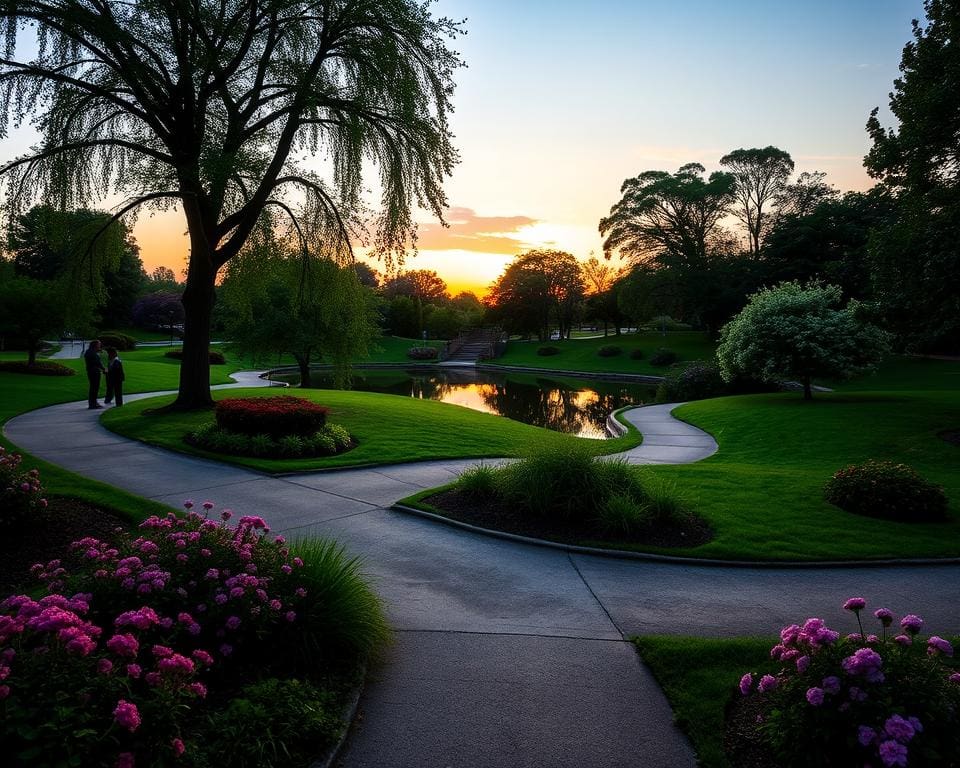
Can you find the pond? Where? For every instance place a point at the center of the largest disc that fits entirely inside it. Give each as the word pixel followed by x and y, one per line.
pixel 565 404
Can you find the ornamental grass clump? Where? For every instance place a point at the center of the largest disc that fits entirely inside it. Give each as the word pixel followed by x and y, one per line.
pixel 887 490
pixel 867 699
pixel 21 493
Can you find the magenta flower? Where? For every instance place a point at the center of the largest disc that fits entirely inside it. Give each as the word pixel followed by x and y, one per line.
pixel 803 663
pixel 188 504
pixel 893 753
pixel 134 670
pixel 198 689
pixel 884 616
pixel 208 505
pixel 4 691
pixel 202 657
pixel 125 645
pixel 126 715
pixel 104 666
pixel 177 745
pixel 125 760
pixel 815 696
pixel 746 683
pixel 866 735
pixel 290 616
pixel 767 683
pixel 939 645
pixel 911 624
pixel 903 640
pixel 855 604
pixel 955 678
pixel 898 728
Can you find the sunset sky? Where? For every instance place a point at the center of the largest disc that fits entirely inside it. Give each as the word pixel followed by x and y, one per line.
pixel 562 101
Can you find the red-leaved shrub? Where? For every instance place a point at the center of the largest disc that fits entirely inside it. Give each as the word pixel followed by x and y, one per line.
pixel 274 416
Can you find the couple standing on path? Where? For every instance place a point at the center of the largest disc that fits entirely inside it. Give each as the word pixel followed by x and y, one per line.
pixel 113 371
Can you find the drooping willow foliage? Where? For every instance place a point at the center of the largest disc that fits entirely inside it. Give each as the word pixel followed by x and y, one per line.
pixel 217 105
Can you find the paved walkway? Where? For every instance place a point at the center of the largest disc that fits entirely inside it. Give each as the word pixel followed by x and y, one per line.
pixel 507 655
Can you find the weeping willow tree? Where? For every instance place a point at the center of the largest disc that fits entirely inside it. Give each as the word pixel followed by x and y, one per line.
pixel 216 106
pixel 276 302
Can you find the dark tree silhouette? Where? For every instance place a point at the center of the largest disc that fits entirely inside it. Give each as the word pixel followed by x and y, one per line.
pixel 212 105
pixel 761 177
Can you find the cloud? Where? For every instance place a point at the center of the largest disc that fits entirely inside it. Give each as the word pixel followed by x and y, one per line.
pixel 469 232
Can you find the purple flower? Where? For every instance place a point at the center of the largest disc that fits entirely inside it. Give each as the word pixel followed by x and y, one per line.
pixel 865 662
pixel 126 715
pixel 866 735
pixel 898 728
pixel 767 683
pixel 815 696
pixel 746 683
pixel 855 604
pixel 893 753
pixel 831 684
pixel 884 616
pixel 903 640
pixel 802 664
pixel 955 678
pixel 911 624
pixel 939 645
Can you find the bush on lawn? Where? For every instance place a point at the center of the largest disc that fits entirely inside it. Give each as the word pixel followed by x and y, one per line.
pixel 216 358
pixel 887 490
pixel 423 353
pixel 277 416
pixel 699 380
pixel 663 357
pixel 116 339
pixel 883 699
pixel 39 368
pixel 548 351
pixel 609 350
pixel 330 439
pixel 120 671
pixel 21 494
pixel 636 354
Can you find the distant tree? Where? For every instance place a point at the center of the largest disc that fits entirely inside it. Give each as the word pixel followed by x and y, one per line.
pixel 677 213
pixel 162 310
pixel 403 317
pixel 915 259
pixel 367 275
pixel 799 332
pixel 804 195
pixel 423 284
pixel 761 176
pixel 122 286
pixel 598 276
pixel 31 310
pixel 209 103
pixel 537 289
pixel 316 311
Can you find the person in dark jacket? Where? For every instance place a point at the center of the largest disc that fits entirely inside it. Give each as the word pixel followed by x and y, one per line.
pixel 114 377
pixel 94 368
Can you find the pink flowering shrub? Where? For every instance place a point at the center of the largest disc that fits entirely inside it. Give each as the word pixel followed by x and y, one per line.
pixel 20 492
pixel 192 582
pixel 887 698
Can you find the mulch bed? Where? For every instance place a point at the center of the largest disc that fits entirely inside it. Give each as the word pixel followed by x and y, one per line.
pixel 741 740
pixel 495 515
pixel 47 536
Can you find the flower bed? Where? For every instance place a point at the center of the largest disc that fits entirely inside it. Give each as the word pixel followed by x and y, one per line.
pixel 886 699
pixel 274 416
pixel 20 492
pixel 142 645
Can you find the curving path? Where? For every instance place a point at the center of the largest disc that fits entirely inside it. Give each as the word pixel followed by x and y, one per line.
pixel 506 654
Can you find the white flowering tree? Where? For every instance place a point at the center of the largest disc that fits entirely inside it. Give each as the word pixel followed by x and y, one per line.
pixel 792 331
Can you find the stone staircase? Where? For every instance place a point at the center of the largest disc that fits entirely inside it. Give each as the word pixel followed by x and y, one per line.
pixel 471 346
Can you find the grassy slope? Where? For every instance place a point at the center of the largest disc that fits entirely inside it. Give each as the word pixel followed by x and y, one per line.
pixel 389 429
pixel 581 354
pixel 763 490
pixel 698 677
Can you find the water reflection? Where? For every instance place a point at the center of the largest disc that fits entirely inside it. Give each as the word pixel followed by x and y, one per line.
pixel 575 406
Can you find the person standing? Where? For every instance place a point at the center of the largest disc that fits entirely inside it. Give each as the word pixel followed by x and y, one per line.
pixel 114 377
pixel 94 368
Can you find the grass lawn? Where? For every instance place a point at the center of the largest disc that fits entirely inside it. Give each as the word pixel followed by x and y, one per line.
pixel 698 677
pixel 389 428
pixel 581 354
pixel 384 349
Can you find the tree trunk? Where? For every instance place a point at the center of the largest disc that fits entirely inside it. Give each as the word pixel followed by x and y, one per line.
pixel 198 299
pixel 807 389
pixel 32 347
pixel 303 363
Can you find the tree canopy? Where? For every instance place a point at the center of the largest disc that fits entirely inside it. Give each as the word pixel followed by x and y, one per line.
pixel 213 105
pixel 761 176
pixel 801 332
pixel 659 211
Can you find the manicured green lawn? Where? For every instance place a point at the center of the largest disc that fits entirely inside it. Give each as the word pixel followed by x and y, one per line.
pixel 388 428
pixel 384 349
pixel 699 676
pixel 763 490
pixel 581 354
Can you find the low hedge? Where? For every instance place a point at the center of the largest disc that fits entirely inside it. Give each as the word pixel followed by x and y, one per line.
pixel 663 357
pixel 548 351
pixel 40 368
pixel 699 380
pixel 423 353
pixel 610 350
pixel 326 441
pixel 636 354
pixel 277 417
pixel 120 341
pixel 216 358
pixel 887 490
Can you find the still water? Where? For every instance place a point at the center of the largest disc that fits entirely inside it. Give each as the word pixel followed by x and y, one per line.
pixel 575 406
